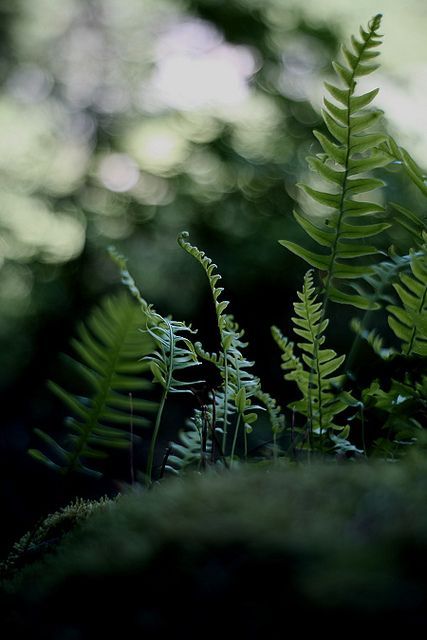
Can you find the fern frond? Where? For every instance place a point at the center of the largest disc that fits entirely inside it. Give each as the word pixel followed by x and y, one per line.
pixel 192 449
pixel 344 230
pixel 210 269
pixel 409 321
pixel 373 339
pixel 400 156
pixel 108 350
pixel 277 419
pixel 172 353
pixel 314 371
pixel 415 225
pixel 239 384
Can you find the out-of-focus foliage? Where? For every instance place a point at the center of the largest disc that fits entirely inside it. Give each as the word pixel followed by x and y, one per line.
pixel 129 121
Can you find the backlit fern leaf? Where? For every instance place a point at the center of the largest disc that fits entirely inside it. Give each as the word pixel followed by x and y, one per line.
pixel 343 162
pixel 173 352
pixel 240 387
pixel 193 448
pixel 313 370
pixel 409 321
pixel 109 349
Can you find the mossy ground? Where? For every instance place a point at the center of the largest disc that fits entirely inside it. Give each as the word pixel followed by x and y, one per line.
pixel 251 552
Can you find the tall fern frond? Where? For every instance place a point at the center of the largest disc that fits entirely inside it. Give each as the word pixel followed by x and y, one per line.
pixel 409 320
pixel 172 352
pixel 313 370
pixel 354 152
pixel 240 387
pixel 239 384
pixel 109 351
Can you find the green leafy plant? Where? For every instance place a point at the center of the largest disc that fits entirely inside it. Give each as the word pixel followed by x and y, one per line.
pixel 322 398
pixel 129 338
pixel 343 164
pixel 109 351
pixel 409 319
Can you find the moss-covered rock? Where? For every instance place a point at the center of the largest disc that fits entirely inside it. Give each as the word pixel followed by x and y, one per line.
pixel 247 552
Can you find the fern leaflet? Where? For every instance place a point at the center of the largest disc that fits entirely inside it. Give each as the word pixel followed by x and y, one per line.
pixel 409 321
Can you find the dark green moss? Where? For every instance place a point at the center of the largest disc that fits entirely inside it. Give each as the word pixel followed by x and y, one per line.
pixel 246 552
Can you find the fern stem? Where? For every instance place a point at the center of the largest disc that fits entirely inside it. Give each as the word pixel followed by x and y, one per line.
pixel 153 442
pixel 233 447
pixel 167 386
pixel 225 422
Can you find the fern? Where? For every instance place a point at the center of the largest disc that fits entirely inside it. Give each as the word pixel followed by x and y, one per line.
pixel 400 156
pixel 321 398
pixel 194 446
pixel 240 386
pixel 109 351
pixel 409 321
pixel 172 353
pixel 355 152
pixel 373 339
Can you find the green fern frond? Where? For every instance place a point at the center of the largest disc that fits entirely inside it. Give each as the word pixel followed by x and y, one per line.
pixel 210 269
pixel 415 225
pixel 239 384
pixel 193 449
pixel 400 156
pixel 314 371
pixel 274 410
pixel 343 164
pixel 172 353
pixel 409 321
pixel 108 350
pixel 373 339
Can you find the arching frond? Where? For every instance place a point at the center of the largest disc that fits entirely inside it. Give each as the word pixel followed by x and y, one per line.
pixel 109 358
pixel 342 233
pixel 173 352
pixel 239 385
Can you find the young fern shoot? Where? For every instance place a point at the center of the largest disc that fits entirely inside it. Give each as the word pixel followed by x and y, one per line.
pixel 343 230
pixel 322 399
pixel 240 387
pixel 173 352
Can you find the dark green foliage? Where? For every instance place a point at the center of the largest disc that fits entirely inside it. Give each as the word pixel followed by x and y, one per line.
pixel 339 543
pixel 409 320
pixel 110 348
pixel 315 370
pixel 343 163
pixel 217 432
pixel 240 387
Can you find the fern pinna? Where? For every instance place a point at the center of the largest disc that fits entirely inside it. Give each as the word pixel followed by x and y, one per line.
pixel 109 349
pixel 322 399
pixel 409 320
pixel 342 163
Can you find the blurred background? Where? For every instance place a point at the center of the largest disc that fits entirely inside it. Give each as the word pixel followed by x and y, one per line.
pixel 128 121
